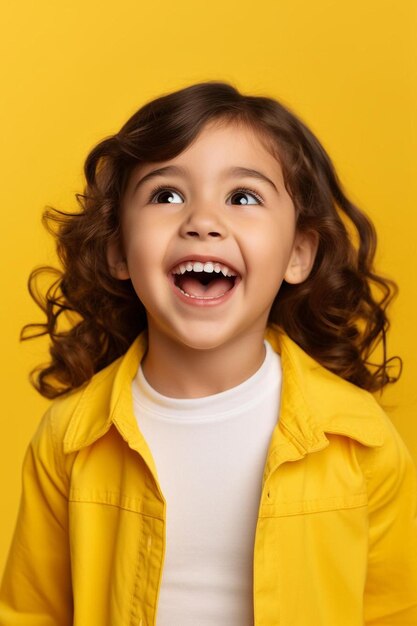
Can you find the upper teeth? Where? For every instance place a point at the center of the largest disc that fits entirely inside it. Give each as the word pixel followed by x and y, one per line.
pixel 196 266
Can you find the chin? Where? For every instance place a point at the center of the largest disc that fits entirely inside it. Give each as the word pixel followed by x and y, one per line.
pixel 203 338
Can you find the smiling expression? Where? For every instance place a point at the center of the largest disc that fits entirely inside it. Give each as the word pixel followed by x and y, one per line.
pixel 224 198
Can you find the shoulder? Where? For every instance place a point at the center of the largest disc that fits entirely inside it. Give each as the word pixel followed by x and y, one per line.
pixel 388 467
pixel 391 466
pixel 387 455
pixel 57 420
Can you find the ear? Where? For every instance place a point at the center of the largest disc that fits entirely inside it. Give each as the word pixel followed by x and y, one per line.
pixel 302 257
pixel 116 261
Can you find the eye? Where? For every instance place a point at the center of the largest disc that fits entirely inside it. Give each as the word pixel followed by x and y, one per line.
pixel 163 193
pixel 241 193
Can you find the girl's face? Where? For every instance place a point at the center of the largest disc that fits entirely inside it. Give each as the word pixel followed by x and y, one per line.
pixel 207 207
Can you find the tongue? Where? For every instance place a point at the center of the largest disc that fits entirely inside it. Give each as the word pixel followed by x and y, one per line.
pixel 214 289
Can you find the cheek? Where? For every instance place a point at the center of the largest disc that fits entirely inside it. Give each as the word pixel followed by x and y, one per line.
pixel 146 235
pixel 141 249
pixel 135 256
pixel 145 246
pixel 269 250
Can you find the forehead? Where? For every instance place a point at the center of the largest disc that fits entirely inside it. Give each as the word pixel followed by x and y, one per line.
pixel 232 133
pixel 223 145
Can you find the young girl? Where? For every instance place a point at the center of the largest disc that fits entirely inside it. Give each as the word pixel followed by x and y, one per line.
pixel 213 455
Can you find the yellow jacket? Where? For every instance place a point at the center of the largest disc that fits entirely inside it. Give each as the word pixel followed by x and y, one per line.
pixel 336 536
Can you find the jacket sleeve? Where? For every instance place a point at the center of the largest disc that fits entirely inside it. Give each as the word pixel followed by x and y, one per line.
pixel 36 584
pixel 391 587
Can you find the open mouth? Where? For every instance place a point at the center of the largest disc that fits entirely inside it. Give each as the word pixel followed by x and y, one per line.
pixel 206 285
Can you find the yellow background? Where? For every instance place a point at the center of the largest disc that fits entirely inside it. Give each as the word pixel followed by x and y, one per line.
pixel 73 73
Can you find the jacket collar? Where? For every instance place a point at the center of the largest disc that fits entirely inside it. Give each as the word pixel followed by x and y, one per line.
pixel 314 401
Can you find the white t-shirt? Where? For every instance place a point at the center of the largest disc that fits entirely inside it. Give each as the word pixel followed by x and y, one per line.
pixel 210 454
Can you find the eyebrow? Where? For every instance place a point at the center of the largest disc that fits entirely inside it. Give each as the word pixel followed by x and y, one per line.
pixel 235 171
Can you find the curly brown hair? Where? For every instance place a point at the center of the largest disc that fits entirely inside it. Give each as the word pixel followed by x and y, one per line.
pixel 333 315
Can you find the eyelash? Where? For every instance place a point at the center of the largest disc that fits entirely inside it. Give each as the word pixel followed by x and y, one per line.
pixel 158 188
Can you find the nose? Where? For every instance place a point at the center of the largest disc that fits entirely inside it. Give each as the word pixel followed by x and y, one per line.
pixel 203 222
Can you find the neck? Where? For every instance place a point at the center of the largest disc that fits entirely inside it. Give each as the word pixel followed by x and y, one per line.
pixel 180 371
